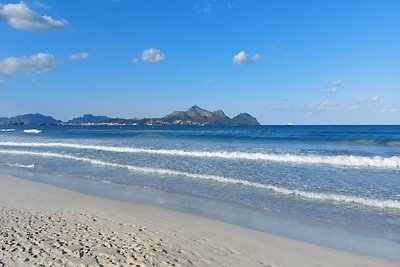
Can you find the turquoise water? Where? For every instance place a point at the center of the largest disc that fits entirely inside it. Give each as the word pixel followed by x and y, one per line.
pixel 332 185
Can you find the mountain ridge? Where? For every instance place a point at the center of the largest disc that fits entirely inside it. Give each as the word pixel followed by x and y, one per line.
pixel 197 115
pixel 30 119
pixel 193 116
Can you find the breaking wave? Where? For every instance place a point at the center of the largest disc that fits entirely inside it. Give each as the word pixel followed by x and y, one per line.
pixel 19 165
pixel 379 203
pixel 392 162
pixel 33 131
pixel 7 130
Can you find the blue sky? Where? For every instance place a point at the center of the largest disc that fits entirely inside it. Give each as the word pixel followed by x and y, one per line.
pixel 306 62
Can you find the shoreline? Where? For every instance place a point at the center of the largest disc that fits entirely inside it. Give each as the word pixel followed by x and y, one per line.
pixel 163 237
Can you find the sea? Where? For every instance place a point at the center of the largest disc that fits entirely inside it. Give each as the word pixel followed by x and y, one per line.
pixel 336 186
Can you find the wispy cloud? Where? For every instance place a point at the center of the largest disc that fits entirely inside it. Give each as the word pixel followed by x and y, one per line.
pixel 367 103
pixel 256 57
pixel 150 55
pixel 1 82
pixel 19 16
pixel 210 82
pixel 390 109
pixel 368 100
pixel 334 87
pixel 79 56
pixel 281 108
pixel 231 4
pixel 372 105
pixel 242 58
pixel 41 4
pixel 204 8
pixel 33 64
pixel 325 106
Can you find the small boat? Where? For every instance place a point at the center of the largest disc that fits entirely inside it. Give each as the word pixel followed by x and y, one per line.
pixel 290 124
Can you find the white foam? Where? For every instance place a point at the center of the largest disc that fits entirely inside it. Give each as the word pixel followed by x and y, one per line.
pixel 33 131
pixel 19 165
pixel 7 130
pixel 380 203
pixel 392 162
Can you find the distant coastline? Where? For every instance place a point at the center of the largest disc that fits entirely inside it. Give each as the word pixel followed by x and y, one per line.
pixel 193 116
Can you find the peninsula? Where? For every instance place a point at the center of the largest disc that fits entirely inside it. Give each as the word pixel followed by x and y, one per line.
pixel 193 116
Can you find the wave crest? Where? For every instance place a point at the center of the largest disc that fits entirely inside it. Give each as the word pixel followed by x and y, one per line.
pixel 19 165
pixel 379 203
pixel 33 131
pixel 353 161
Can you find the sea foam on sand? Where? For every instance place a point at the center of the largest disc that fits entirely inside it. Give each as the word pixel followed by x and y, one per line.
pixel 49 226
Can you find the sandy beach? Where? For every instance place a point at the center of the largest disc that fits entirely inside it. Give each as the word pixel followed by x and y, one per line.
pixel 48 226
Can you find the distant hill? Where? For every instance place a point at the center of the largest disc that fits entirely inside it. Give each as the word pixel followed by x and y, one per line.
pixel 30 119
pixel 244 119
pixel 193 116
pixel 3 120
pixel 88 118
pixel 197 115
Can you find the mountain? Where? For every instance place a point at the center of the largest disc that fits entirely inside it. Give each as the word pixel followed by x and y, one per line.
pixel 244 119
pixel 3 120
pixel 198 116
pixel 193 116
pixel 88 118
pixel 30 119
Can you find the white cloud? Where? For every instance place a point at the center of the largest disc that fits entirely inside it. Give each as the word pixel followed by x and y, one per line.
pixel 1 82
pixel 334 87
pixel 242 58
pixel 21 17
pixel 34 64
pixel 150 55
pixel 79 56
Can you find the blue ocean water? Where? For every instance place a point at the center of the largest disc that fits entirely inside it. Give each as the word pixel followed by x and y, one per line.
pixel 333 185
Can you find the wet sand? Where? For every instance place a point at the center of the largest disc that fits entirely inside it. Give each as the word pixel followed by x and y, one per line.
pixel 49 226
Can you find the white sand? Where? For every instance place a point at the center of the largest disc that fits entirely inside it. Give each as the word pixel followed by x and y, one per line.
pixel 43 224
